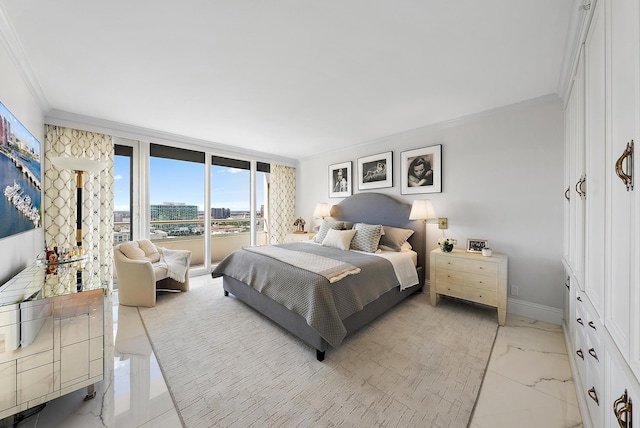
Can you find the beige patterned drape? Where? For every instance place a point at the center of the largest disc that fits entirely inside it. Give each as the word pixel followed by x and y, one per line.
pixel 282 202
pixel 97 205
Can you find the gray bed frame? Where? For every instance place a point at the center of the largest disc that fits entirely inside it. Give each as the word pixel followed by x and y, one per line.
pixel 372 208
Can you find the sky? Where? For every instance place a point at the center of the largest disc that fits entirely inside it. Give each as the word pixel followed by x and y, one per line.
pixel 20 131
pixel 183 182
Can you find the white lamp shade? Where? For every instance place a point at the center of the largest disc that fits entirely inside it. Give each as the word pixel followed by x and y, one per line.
pixel 322 210
pixel 422 210
pixel 78 164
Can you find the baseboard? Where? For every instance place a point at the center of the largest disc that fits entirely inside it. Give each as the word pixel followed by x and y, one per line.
pixel 535 311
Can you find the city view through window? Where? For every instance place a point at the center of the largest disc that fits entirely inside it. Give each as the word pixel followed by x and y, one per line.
pixel 176 195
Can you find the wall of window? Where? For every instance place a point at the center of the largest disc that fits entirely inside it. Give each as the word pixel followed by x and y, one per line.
pixel 183 207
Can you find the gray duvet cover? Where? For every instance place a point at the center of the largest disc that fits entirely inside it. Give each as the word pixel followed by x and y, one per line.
pixel 322 304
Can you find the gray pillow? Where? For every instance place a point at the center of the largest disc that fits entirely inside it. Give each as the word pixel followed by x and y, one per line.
pixel 324 228
pixel 394 237
pixel 367 237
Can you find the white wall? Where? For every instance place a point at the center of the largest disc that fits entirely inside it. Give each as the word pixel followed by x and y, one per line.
pixel 502 181
pixel 19 250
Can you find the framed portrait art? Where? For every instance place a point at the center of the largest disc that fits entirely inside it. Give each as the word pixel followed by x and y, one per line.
pixel 376 171
pixel 476 245
pixel 340 180
pixel 421 170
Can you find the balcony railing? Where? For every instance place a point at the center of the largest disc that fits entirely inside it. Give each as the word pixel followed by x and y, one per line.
pixel 227 235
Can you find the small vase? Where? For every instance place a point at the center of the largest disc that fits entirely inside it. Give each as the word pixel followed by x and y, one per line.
pixel 446 248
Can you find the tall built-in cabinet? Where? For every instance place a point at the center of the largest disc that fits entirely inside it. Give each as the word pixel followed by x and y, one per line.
pixel 602 211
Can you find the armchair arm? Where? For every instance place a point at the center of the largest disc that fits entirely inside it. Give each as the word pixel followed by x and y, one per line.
pixel 136 281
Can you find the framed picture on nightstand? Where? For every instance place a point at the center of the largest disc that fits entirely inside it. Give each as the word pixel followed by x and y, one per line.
pixel 476 245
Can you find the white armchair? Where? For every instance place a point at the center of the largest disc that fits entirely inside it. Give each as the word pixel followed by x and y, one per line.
pixel 142 268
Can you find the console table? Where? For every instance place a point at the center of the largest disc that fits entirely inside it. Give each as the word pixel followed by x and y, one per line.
pixel 51 335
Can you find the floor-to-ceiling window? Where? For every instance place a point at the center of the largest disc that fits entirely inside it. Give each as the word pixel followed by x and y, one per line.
pixel 232 209
pixel 123 194
pixel 176 199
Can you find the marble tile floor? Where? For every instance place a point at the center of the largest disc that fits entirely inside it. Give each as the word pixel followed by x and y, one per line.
pixel 528 381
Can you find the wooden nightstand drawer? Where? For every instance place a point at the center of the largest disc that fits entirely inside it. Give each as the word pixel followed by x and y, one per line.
pixel 450 263
pixel 481 267
pixel 446 275
pixel 467 293
pixel 470 276
pixel 481 281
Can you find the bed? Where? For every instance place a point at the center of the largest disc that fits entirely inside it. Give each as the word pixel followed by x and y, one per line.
pixel 324 314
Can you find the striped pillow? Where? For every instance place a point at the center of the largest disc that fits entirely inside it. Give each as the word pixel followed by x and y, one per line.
pixel 367 237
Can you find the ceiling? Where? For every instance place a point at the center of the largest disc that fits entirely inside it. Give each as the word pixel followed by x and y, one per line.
pixel 291 78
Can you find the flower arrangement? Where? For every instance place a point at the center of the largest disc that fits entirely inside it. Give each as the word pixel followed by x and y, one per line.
pixel 446 244
pixel 299 223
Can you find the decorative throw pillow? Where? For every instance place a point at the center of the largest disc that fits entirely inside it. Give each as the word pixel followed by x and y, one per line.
pixel 132 250
pixel 367 237
pixel 324 228
pixel 394 237
pixel 150 250
pixel 338 238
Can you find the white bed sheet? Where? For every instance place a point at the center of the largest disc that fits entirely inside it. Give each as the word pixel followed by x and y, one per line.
pixel 404 264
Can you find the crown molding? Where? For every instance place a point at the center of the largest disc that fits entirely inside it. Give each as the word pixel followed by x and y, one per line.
pixel 16 52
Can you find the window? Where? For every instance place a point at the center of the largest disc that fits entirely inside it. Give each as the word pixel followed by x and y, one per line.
pixel 123 195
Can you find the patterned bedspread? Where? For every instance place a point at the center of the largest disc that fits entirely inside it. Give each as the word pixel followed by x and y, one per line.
pixel 323 304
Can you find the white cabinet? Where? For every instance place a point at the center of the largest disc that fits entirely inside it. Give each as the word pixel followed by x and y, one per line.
pixel 602 247
pixel 54 342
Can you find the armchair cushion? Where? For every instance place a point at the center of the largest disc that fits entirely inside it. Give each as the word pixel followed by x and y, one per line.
pixel 150 250
pixel 132 250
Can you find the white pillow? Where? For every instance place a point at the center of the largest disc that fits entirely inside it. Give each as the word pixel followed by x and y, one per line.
pixel 338 238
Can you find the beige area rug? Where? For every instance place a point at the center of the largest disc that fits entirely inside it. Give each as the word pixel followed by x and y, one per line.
pixel 228 366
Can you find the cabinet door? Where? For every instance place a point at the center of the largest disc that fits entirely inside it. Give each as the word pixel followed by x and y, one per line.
pixel 621 389
pixel 595 158
pixel 623 92
pixel 575 206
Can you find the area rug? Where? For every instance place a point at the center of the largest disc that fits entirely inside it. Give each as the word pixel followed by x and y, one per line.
pixel 226 365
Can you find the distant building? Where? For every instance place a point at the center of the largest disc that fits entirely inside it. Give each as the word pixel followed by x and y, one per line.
pixel 170 211
pixel 220 213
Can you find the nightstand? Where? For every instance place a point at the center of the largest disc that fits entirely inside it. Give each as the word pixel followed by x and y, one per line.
pixel 297 237
pixel 470 276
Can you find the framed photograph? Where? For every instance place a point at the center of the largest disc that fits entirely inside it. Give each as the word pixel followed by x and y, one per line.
pixel 476 245
pixel 421 170
pixel 376 171
pixel 340 180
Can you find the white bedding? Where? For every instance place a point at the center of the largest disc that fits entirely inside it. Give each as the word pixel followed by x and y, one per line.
pixel 404 264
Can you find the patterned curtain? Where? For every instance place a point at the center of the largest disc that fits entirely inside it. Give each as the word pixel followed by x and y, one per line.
pixel 97 195
pixel 282 202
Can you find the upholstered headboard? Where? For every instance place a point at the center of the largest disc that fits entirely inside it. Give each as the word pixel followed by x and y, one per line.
pixel 377 208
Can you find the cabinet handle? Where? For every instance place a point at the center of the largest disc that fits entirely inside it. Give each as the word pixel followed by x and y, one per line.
pixel 580 321
pixel 592 352
pixel 626 177
pixel 579 299
pixel 625 401
pixel 566 194
pixel 580 354
pixel 578 187
pixel 593 394
pixel 592 325
pixel 567 283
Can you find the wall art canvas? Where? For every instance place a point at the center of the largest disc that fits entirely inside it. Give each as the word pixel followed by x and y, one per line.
pixel 20 177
